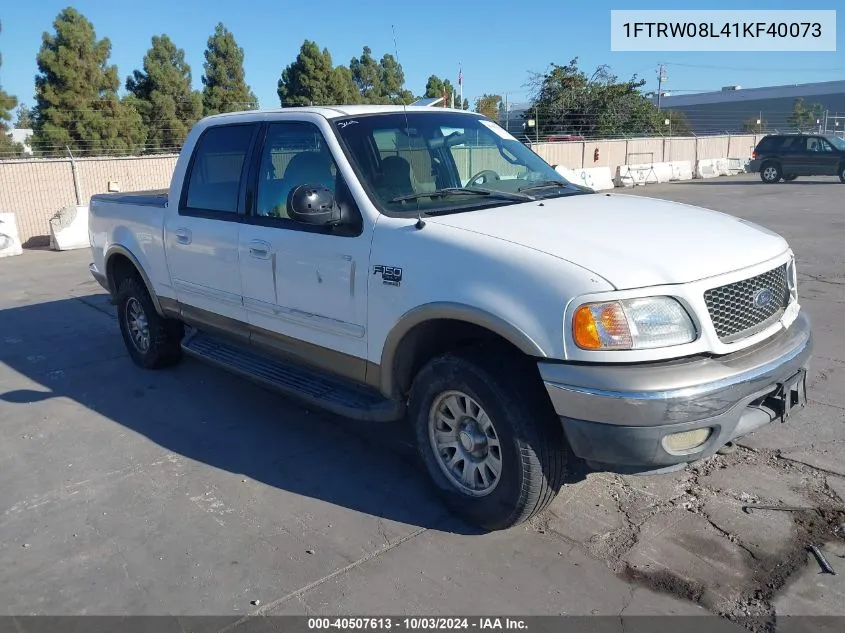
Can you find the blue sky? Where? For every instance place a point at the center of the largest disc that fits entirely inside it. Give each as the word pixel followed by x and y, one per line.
pixel 498 43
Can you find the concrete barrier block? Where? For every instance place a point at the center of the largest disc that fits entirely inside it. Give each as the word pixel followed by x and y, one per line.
pixel 596 178
pixel 723 166
pixel 601 177
pixel 706 168
pixel 10 241
pixel 69 229
pixel 738 165
pixel 681 170
pixel 636 175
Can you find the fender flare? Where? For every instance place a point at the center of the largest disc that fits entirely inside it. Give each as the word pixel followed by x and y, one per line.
pixel 117 249
pixel 456 312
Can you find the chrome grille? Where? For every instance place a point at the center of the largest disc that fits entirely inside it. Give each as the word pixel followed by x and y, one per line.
pixel 734 308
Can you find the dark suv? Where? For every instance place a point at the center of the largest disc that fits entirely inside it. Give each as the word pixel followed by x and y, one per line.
pixel 787 156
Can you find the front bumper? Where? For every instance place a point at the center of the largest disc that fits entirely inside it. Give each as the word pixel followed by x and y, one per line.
pixel 616 416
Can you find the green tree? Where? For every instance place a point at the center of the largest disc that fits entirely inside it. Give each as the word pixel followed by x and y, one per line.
pixel 437 87
pixel 23 117
pixel 8 148
pixel 224 83
pixel 163 96
pixel 76 93
pixel 343 86
pixel 488 105
pixel 752 127
pixel 568 101
pixel 312 79
pixel 367 75
pixel 678 123
pixel 803 118
pixel 393 82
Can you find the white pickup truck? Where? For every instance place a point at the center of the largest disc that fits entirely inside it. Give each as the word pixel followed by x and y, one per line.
pixel 422 265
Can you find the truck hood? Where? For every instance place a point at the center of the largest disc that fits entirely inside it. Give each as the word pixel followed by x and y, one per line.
pixel 630 241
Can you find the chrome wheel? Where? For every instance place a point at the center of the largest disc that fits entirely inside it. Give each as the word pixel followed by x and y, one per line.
pixel 465 443
pixel 770 174
pixel 136 323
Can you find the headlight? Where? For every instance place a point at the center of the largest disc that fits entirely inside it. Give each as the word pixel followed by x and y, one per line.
pixel 632 324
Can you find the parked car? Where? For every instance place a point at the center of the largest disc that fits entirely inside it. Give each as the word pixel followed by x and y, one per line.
pixel 513 319
pixel 786 156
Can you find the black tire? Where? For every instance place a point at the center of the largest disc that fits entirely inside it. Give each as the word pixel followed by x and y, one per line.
pixel 532 447
pixel 842 172
pixel 790 177
pixel 165 335
pixel 770 173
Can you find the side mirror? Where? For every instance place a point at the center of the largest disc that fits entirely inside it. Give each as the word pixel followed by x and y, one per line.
pixel 313 204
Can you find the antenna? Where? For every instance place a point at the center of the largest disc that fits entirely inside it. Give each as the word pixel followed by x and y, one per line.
pixel 420 222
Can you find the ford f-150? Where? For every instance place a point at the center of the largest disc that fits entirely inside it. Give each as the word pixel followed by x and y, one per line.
pixel 422 266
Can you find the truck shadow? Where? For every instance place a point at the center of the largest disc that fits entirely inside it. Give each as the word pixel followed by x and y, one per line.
pixel 72 349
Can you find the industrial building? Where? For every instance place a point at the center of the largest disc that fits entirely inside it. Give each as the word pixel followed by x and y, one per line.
pixel 733 107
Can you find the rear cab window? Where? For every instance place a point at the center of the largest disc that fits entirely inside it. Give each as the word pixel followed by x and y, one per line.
pixel 215 174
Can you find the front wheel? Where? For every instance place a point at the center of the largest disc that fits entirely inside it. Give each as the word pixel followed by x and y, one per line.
pixel 488 437
pixel 770 173
pixel 842 172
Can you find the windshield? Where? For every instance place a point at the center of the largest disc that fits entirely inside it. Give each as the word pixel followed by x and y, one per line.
pixel 442 161
pixel 837 142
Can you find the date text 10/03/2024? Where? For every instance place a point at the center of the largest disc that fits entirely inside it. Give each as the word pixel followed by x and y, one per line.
pixel 417 623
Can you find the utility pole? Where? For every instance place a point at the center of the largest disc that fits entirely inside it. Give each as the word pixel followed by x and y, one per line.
pixel 507 114
pixel 661 77
pixel 537 124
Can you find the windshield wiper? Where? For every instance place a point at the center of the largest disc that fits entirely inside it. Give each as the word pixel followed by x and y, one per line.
pixel 545 184
pixel 460 191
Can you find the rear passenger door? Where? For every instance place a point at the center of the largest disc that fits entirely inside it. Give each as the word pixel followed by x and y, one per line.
pixel 201 234
pixel 793 155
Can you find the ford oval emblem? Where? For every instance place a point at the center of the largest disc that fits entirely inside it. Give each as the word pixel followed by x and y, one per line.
pixel 763 297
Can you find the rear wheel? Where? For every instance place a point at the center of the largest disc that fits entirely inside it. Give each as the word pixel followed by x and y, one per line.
pixel 152 341
pixel 770 173
pixel 488 437
pixel 842 172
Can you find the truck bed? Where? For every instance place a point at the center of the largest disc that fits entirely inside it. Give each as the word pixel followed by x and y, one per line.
pixel 149 198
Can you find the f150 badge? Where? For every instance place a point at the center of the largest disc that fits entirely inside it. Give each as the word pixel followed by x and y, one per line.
pixel 390 275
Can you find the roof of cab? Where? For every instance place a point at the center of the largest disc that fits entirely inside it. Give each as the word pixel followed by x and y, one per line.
pixel 334 112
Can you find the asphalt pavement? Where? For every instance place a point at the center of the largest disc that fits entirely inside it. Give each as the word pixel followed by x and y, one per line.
pixel 193 492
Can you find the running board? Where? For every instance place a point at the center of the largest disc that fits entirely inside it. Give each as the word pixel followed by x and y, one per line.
pixel 309 386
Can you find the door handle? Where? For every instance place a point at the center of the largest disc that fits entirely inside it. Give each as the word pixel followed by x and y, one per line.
pixel 259 249
pixel 183 236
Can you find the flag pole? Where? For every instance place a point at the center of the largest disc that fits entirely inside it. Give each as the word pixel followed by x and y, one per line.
pixel 461 85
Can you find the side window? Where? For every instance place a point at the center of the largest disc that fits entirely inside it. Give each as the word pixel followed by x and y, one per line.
pixel 215 173
pixel 814 144
pixel 824 146
pixel 294 153
pixel 790 145
pixel 769 144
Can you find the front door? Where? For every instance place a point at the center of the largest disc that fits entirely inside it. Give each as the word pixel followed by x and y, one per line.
pixel 304 287
pixel 823 159
pixel 201 233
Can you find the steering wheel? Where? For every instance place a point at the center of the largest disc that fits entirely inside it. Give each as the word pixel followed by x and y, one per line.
pixel 486 175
